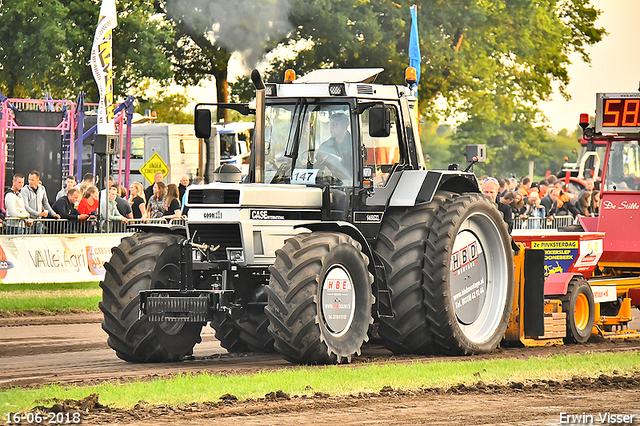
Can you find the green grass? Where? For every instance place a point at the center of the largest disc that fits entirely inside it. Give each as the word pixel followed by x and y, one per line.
pixel 334 380
pixel 16 299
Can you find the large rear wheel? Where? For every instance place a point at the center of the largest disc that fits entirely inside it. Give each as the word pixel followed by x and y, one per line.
pixel 319 298
pixel 144 261
pixel 579 306
pixel 400 247
pixel 468 281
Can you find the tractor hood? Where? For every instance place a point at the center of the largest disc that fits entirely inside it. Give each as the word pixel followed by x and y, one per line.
pixel 254 195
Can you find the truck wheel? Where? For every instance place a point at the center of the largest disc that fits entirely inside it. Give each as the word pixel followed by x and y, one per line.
pixel 400 246
pixel 468 282
pixel 579 306
pixel 319 298
pixel 144 261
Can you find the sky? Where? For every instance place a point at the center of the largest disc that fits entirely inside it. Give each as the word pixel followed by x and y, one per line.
pixel 615 65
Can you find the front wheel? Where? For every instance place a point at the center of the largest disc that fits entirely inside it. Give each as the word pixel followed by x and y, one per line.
pixel 144 261
pixel 319 298
pixel 579 306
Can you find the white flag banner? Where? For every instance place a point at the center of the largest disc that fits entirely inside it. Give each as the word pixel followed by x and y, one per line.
pixel 102 65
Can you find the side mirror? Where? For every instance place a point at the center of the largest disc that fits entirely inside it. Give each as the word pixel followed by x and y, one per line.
pixel 379 121
pixel 202 123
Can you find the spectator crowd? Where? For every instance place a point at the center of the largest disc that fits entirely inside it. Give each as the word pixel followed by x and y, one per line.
pixel 537 203
pixel 81 207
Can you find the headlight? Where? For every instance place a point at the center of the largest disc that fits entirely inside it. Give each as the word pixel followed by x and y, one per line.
pixel 235 255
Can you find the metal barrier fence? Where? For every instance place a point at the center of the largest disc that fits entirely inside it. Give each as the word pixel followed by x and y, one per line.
pixel 543 223
pixel 16 226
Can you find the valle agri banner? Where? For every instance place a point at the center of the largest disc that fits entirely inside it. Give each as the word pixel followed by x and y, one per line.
pixel 55 259
pixel 102 65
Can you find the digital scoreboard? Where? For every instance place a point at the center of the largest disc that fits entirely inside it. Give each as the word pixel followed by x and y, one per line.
pixel 618 112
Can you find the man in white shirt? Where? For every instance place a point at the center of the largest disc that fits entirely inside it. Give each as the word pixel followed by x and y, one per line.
pixel 17 214
pixel 36 201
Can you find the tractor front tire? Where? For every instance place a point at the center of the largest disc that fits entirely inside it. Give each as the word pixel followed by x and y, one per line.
pixel 144 261
pixel 319 298
pixel 579 306
pixel 469 275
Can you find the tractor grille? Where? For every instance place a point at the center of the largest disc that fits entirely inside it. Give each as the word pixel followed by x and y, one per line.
pixel 177 309
pixel 222 234
pixel 365 89
pixel 214 196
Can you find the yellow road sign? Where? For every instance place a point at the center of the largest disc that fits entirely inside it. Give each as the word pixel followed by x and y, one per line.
pixel 154 165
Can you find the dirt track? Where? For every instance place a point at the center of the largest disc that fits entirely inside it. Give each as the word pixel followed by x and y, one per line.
pixel 73 349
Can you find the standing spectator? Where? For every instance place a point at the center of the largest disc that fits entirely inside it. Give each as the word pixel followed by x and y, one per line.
pixel 36 202
pixel 89 202
pixel 70 182
pixel 182 188
pixel 525 184
pixel 534 210
pixel 595 202
pixel 155 205
pixel 513 184
pixel 17 214
pixel 518 203
pixel 87 180
pixel 550 203
pixel 65 208
pixel 109 210
pixel 490 189
pixel 580 206
pixel 198 180
pixel 148 193
pixel 137 201
pixel 171 203
pixel 588 186
pixel 543 186
pixel 123 205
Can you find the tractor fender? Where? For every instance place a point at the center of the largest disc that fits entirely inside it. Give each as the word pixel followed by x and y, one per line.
pixel 160 229
pixel 345 228
pixel 557 284
pixel 416 187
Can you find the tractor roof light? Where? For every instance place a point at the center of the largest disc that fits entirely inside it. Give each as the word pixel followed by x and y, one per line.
pixel 337 89
pixel 289 76
pixel 410 76
pixel 270 90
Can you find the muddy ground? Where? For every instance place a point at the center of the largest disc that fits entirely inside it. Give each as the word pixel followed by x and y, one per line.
pixel 72 349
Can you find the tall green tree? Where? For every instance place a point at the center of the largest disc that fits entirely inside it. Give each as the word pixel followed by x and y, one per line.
pixel 45 47
pixel 489 62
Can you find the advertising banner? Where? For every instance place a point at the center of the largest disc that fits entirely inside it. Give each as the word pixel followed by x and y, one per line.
pixel 102 65
pixel 55 259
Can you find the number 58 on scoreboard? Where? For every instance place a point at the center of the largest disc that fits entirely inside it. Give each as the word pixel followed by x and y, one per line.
pixel 618 112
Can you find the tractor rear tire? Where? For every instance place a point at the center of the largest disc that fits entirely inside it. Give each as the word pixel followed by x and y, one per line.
pixel 579 306
pixel 320 298
pixel 469 274
pixel 227 333
pixel 249 332
pixel 400 247
pixel 144 261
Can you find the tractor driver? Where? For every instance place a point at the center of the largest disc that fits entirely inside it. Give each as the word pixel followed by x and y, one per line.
pixel 336 152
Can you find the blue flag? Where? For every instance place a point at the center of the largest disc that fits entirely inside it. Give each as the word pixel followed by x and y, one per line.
pixel 414 44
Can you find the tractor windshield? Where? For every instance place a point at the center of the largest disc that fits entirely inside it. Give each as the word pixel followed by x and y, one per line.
pixel 308 143
pixel 623 168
